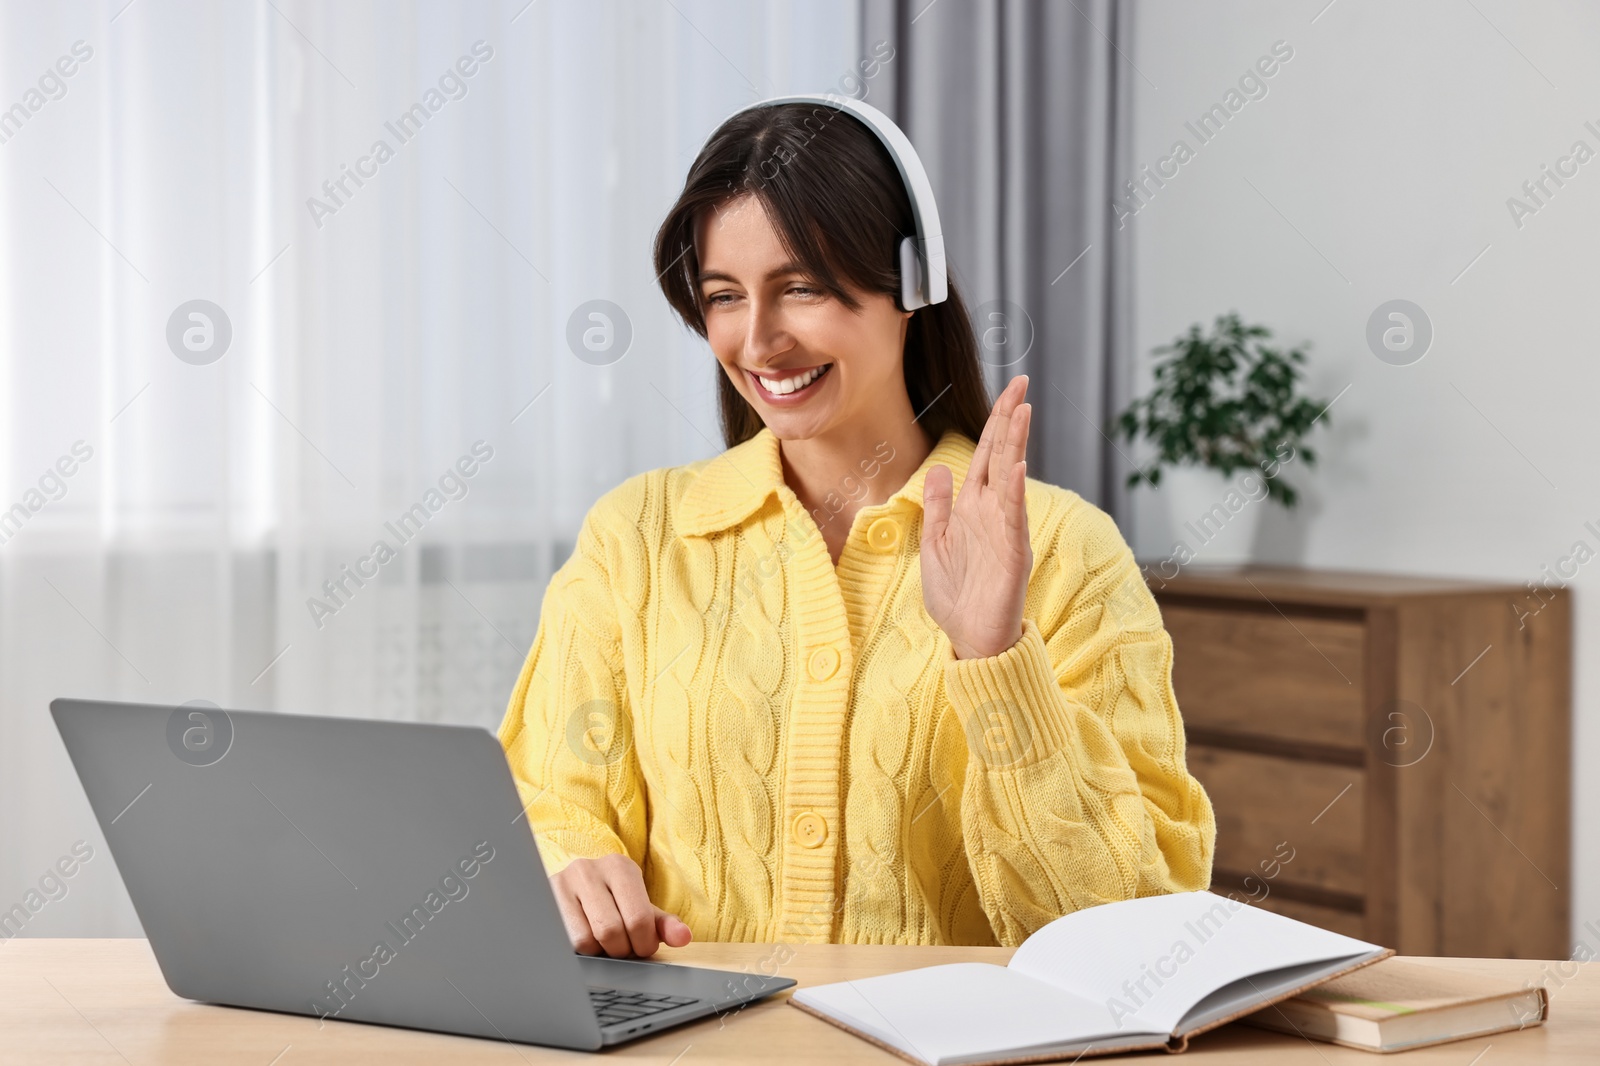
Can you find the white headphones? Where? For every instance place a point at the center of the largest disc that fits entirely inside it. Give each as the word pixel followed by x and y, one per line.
pixel 923 280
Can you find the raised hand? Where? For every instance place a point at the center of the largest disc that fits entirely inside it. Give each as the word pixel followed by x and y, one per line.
pixel 976 557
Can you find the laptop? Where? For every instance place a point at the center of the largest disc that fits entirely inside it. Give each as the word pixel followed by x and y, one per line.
pixel 357 870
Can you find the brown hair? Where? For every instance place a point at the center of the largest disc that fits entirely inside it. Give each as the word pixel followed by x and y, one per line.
pixel 840 207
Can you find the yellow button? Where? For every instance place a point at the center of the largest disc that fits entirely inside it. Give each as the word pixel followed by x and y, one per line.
pixel 884 534
pixel 823 663
pixel 810 830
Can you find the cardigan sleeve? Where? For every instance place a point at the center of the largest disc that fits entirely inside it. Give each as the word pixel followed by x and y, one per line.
pixel 1077 791
pixel 568 730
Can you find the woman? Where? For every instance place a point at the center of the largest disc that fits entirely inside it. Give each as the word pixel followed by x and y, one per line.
pixel 856 679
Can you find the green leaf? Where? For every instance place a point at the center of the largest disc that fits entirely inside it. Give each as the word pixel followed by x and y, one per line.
pixel 1226 401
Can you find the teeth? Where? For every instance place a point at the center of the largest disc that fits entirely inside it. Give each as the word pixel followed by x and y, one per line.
pixel 787 385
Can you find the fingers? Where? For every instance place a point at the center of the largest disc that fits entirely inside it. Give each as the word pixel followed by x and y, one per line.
pixel 607 910
pixel 671 929
pixel 1007 468
pixel 936 488
pixel 606 927
pixel 980 455
pixel 1016 447
pixel 565 886
pixel 1014 485
pixel 633 904
pixel 986 458
pixel 1015 507
pixel 1001 458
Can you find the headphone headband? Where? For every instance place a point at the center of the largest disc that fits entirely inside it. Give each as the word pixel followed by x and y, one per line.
pixel 923 279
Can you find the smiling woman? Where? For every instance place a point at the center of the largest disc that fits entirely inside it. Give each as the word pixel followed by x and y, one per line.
pixel 941 712
pixel 824 225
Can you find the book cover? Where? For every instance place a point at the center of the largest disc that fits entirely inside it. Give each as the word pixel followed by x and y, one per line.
pixel 1398 1004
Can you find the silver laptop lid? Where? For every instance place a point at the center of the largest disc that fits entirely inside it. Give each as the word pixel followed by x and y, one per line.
pixel 364 870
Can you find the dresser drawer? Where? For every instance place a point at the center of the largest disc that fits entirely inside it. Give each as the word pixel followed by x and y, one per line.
pixel 1262 801
pixel 1283 714
pixel 1260 674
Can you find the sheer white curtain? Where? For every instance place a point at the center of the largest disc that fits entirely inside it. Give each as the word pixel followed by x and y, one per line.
pixel 390 332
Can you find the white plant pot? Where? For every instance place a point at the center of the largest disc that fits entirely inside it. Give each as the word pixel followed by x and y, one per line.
pixel 1216 518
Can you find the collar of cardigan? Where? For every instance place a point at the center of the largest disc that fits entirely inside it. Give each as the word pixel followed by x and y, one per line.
pixel 733 485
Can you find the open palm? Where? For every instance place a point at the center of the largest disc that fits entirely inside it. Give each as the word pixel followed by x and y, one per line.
pixel 976 557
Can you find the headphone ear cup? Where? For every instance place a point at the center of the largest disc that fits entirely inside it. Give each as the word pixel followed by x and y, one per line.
pixel 912 288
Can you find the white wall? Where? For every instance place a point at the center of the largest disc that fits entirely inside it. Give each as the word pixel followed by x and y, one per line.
pixel 1391 142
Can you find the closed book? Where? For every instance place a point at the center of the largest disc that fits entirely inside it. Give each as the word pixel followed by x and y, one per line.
pixel 1397 1005
pixel 1139 973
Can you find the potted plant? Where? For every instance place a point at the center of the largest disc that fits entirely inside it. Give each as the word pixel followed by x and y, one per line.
pixel 1226 414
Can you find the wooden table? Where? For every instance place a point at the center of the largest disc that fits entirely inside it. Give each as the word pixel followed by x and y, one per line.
pixel 103 1001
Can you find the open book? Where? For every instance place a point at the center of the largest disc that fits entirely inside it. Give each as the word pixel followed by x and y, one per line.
pixel 1142 973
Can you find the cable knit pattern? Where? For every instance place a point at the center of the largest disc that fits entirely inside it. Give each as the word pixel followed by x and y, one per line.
pixel 791 751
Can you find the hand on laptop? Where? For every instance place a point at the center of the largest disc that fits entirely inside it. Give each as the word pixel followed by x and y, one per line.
pixel 608 912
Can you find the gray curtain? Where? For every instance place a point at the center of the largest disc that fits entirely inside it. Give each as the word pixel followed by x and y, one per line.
pixel 1019 110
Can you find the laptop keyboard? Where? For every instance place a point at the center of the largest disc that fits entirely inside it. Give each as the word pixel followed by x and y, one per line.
pixel 614 1006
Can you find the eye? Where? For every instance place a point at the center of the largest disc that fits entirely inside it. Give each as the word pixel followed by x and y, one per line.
pixel 804 290
pixel 721 299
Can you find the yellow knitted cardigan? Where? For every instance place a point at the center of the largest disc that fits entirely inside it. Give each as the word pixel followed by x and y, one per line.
pixel 790 750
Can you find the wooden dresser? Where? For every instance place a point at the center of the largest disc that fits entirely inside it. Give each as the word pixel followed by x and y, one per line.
pixel 1403 742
